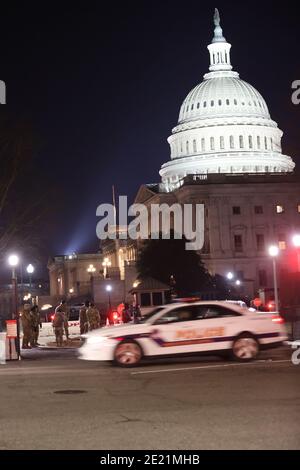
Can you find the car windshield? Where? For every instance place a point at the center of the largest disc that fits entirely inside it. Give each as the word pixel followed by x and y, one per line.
pixel 150 314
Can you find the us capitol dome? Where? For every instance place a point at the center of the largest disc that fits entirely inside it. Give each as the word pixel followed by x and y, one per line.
pixel 224 126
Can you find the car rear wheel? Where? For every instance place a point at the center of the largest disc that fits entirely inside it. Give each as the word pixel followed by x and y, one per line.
pixel 128 354
pixel 245 348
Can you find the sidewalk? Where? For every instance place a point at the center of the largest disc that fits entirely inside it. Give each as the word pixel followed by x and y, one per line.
pixel 50 343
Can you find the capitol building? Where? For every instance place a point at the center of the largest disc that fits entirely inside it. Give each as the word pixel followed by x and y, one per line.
pixel 226 154
pixel 224 126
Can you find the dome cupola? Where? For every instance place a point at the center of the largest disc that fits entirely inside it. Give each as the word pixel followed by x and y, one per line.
pixel 224 125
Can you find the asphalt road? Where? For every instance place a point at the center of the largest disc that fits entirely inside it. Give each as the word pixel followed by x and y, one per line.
pixel 184 404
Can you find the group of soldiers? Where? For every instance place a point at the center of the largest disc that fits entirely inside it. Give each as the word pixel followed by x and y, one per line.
pixel 31 324
pixel 89 319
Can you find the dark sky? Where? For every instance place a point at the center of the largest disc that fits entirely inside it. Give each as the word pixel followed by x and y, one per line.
pixel 103 84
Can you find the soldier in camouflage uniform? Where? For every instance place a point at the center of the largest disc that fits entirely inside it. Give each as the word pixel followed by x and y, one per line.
pixel 93 317
pixel 64 309
pixel 83 320
pixel 27 324
pixel 36 324
pixel 58 326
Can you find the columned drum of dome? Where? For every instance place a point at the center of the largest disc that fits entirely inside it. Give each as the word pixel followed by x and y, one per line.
pixel 224 126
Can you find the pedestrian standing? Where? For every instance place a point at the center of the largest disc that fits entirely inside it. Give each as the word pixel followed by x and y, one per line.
pixel 36 324
pixel 126 315
pixel 64 308
pixel 84 326
pixel 93 317
pixel 136 314
pixel 27 324
pixel 58 326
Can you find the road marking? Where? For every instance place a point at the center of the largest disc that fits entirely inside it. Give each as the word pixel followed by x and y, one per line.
pixel 159 371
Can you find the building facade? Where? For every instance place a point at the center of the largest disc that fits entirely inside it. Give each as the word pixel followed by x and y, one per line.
pixel 71 276
pixel 226 154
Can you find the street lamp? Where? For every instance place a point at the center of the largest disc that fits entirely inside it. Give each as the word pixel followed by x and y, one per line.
pixel 108 290
pixel 230 276
pixel 13 262
pixel 91 269
pixel 30 271
pixel 238 282
pixel 274 252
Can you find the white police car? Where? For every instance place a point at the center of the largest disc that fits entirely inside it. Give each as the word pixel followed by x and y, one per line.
pixel 175 329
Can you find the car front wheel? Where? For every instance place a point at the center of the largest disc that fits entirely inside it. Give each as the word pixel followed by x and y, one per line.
pixel 128 354
pixel 245 348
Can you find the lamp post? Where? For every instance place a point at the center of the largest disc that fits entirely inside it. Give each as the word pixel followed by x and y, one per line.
pixel 108 290
pixel 273 252
pixel 13 262
pixel 30 271
pixel 296 243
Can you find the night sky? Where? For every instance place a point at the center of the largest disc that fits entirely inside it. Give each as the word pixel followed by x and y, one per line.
pixel 103 84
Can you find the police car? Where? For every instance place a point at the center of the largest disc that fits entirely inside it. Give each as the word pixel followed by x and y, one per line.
pixel 179 329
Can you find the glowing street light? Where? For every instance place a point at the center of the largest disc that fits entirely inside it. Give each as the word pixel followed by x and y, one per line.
pixel 230 276
pixel 274 252
pixel 91 269
pixel 13 261
pixel 30 270
pixel 238 282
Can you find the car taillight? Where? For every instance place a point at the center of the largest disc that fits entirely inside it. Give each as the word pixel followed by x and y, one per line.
pixel 116 316
pixel 52 317
pixel 277 319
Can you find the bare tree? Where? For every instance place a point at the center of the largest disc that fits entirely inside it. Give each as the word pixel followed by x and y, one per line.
pixel 19 208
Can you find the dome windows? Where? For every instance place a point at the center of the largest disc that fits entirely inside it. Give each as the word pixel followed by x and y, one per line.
pixel 194 146
pixel 266 143
pixel 235 102
pixel 231 142
pixel 222 143
pixel 220 102
pixel 258 142
pixel 187 147
pixel 204 104
pixel 212 103
pixel 212 143
pixel 241 140
pixel 250 142
pixel 202 145
pixel 227 102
